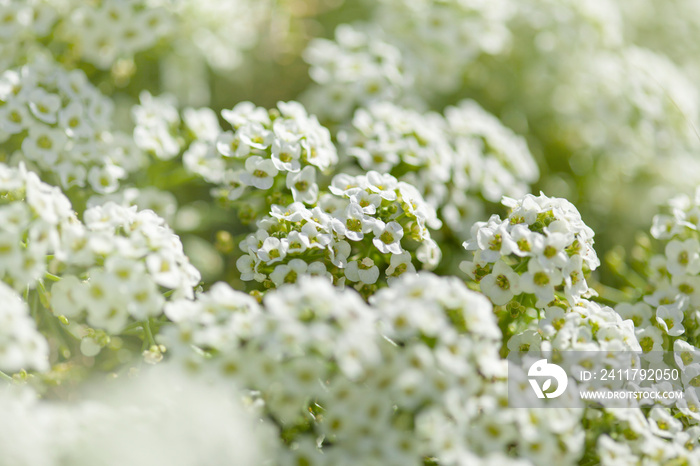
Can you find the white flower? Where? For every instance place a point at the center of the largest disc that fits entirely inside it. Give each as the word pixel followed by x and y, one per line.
pixel 685 354
pixel 400 264
pixel 501 284
pixel 364 271
pixel 387 237
pixel 670 318
pixel 382 184
pixel 202 122
pixel 286 155
pixel 339 253
pixel 663 424
pixel 353 223
pixel 540 282
pixel 273 250
pixel 14 117
pixel 255 136
pixel 368 201
pixel 229 144
pixel 44 105
pixel 524 342
pixel 289 273
pixel 296 242
pixel 303 185
pixel 651 340
pixel 259 173
pixel 638 313
pixel 244 112
pixel 247 265
pixel 44 144
pixel 683 257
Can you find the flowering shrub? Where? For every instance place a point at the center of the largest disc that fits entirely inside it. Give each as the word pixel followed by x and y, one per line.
pixel 212 253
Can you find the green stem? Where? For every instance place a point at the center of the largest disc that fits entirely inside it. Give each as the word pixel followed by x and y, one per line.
pixel 148 333
pixel 6 377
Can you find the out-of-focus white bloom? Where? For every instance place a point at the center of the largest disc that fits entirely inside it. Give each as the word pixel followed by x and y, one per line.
pixel 454 161
pixel 21 345
pixel 161 415
pixel 34 212
pixel 62 126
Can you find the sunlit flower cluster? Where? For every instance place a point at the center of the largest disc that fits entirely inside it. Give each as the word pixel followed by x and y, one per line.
pixel 542 249
pixel 675 274
pixel 119 268
pixel 105 31
pixel 587 95
pixel 367 226
pixel 282 150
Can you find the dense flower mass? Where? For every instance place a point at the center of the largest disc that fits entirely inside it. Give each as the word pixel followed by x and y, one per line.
pixel 156 414
pixel 366 226
pixel 128 258
pixel 397 370
pixel 542 249
pixel 231 232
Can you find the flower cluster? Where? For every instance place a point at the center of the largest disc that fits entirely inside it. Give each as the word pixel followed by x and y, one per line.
pixel 356 68
pixel 119 268
pixel 541 249
pixel 445 38
pixel 21 345
pixel 584 327
pixel 605 106
pixel 407 52
pixel 35 219
pixel 184 37
pixel 114 266
pixel 21 23
pixel 667 318
pixel 366 225
pixel 455 161
pixel 58 122
pixel 109 30
pixel 282 147
pixel 633 437
pixel 157 125
pixel 408 376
